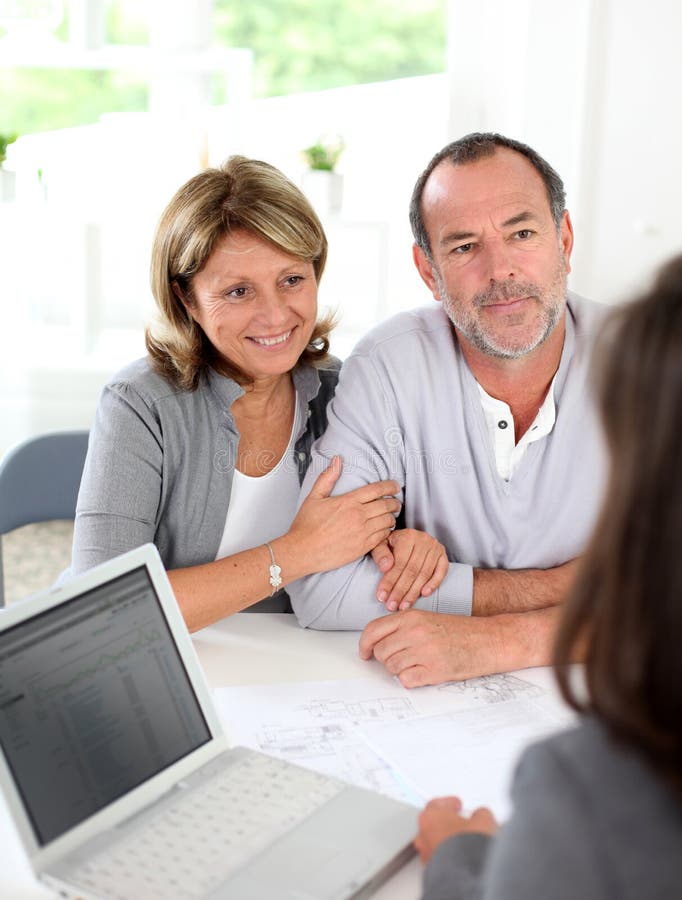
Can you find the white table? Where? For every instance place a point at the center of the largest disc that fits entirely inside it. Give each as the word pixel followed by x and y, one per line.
pixel 249 648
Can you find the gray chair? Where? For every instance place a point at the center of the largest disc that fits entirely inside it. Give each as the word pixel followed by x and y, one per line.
pixel 39 481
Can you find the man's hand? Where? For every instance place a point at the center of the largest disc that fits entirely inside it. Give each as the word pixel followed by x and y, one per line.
pixel 442 819
pixel 430 648
pixel 414 564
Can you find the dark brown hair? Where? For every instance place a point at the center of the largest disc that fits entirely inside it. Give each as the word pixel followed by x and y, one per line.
pixel 626 607
pixel 245 194
pixel 470 149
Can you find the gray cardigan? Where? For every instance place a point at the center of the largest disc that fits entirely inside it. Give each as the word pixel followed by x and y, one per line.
pixel 408 407
pixel 591 821
pixel 160 463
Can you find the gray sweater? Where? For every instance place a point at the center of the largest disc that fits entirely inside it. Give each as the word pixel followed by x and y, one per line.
pixel 160 464
pixel 591 821
pixel 407 407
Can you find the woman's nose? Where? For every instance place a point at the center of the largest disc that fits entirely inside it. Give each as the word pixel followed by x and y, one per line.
pixel 273 307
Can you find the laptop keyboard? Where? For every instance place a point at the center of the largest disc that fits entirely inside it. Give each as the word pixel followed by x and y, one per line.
pixel 195 844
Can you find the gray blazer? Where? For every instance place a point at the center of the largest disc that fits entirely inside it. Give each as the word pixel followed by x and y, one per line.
pixel 591 821
pixel 160 464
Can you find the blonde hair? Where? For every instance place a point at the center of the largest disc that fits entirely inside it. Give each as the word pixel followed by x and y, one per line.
pixel 243 194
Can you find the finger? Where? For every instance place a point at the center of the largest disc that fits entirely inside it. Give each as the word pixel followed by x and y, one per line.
pixel 451 803
pixel 374 513
pixel 377 530
pixel 441 570
pixel 375 490
pixel 398 661
pixel 324 483
pixel 375 631
pixel 401 555
pixel 425 573
pixel 381 506
pixel 416 676
pixel 388 582
pixel 383 556
pixel 411 580
pixel 420 847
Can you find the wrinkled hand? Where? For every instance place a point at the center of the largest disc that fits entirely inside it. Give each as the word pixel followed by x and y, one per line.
pixel 332 531
pixel 430 648
pixel 419 565
pixel 442 818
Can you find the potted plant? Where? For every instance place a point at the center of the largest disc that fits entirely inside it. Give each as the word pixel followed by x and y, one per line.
pixel 321 183
pixel 6 177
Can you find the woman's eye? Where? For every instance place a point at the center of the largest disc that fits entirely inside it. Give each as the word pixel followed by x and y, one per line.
pixel 237 293
pixel 293 279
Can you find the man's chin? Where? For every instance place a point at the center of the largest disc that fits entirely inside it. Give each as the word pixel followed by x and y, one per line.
pixel 502 347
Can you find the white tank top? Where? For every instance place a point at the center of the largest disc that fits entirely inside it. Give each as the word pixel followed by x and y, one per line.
pixel 262 508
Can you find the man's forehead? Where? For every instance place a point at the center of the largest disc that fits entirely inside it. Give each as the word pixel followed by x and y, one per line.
pixel 497 187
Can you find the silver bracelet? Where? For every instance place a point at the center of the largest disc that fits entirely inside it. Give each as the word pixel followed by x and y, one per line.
pixel 275 570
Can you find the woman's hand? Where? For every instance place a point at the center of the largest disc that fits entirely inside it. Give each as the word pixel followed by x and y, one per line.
pixel 419 564
pixel 441 819
pixel 329 532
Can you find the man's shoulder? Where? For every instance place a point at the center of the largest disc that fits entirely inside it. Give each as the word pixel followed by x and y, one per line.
pixel 424 323
pixel 588 315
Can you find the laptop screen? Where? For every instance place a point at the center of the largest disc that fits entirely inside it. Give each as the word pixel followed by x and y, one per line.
pixel 94 700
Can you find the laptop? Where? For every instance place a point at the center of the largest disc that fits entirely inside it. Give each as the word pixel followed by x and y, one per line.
pixel 120 779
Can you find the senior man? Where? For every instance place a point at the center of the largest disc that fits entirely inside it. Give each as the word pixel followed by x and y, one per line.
pixel 480 409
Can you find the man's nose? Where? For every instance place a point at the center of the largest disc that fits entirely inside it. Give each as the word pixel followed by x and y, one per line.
pixel 499 261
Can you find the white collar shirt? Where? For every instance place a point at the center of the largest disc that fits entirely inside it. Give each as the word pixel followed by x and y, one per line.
pixel 500 423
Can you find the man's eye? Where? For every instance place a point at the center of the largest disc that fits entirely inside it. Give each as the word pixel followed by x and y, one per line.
pixel 464 248
pixel 524 234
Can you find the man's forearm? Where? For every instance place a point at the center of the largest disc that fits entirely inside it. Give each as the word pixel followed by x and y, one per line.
pixel 523 640
pixel 499 591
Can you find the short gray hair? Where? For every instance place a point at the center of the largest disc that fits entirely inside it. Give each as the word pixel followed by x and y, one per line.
pixel 477 146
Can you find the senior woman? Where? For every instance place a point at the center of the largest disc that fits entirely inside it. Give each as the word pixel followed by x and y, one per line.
pixel 201 446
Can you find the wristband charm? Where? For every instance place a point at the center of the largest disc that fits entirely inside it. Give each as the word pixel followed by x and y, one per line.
pixel 275 571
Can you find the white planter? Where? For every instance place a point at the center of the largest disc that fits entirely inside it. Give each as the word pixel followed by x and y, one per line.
pixel 7 185
pixel 324 190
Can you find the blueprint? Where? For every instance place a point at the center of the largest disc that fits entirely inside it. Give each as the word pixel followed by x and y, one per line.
pixel 460 737
pixel 315 724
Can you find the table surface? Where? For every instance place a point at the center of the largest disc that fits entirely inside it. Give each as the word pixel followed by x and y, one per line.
pixel 248 648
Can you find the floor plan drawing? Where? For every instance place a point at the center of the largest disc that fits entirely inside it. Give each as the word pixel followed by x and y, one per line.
pixel 492 688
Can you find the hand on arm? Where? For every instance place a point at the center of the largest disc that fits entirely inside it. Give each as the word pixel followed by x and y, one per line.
pixel 327 532
pixel 442 819
pixel 414 564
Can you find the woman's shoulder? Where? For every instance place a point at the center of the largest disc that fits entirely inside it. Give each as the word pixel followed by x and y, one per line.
pixel 600 771
pixel 584 751
pixel 142 378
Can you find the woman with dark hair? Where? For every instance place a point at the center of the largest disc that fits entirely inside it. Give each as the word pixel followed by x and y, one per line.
pixel 201 446
pixel 598 810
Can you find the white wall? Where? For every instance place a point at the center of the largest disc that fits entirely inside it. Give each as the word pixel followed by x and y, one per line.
pixel 594 85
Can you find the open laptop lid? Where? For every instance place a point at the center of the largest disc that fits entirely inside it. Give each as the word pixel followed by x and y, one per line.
pixel 103 704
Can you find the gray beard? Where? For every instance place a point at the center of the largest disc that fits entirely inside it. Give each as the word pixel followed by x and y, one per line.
pixel 551 305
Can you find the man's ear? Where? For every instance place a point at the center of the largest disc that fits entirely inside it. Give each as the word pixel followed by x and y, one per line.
pixel 566 238
pixel 425 269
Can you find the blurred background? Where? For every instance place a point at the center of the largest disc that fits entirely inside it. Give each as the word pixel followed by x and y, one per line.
pixel 115 103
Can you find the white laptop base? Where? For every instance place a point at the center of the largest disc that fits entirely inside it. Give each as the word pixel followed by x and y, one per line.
pixel 116 770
